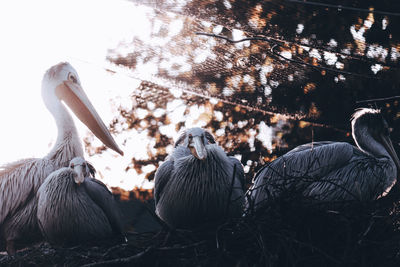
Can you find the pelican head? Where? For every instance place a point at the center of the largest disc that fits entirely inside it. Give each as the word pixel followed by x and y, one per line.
pixel 196 139
pixel 81 168
pixel 61 83
pixel 368 122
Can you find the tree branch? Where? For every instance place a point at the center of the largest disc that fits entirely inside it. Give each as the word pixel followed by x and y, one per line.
pixel 278 42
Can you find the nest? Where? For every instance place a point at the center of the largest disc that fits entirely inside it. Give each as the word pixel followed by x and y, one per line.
pixel 285 232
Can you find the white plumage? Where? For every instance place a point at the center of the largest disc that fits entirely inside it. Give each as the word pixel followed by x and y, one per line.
pixel 19 181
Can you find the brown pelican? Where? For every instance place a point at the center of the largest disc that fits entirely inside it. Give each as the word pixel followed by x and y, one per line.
pixel 197 183
pixel 334 171
pixel 19 181
pixel 73 207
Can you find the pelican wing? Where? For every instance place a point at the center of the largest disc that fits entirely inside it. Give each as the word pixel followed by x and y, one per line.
pixel 363 177
pixel 308 146
pixel 239 171
pixel 162 177
pixel 19 182
pixel 239 184
pixel 45 195
pixel 312 160
pixel 65 209
pixel 100 194
pixel 298 168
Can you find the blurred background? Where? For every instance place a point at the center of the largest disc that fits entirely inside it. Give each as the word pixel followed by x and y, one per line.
pixel 261 76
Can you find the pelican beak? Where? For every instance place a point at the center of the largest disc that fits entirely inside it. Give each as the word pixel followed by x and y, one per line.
pixel 387 143
pixel 79 177
pixel 197 148
pixel 74 96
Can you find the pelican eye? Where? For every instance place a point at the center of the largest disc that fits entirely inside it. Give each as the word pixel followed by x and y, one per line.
pixel 72 78
pixel 387 130
pixel 72 165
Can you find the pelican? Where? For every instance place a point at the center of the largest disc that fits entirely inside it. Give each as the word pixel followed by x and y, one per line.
pixel 334 171
pixel 19 181
pixel 73 207
pixel 197 182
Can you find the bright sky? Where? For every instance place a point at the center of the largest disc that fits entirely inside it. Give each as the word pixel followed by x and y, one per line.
pixel 38 34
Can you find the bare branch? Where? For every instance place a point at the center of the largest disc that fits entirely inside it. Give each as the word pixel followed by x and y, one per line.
pixel 278 42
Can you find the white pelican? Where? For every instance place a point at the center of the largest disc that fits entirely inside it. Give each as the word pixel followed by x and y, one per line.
pixel 197 184
pixel 19 181
pixel 74 207
pixel 334 171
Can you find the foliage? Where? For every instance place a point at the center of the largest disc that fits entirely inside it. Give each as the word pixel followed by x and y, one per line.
pixel 297 80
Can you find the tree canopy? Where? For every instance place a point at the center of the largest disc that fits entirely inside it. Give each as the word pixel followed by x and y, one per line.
pixel 262 76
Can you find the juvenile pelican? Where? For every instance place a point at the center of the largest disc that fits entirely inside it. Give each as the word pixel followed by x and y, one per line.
pixel 196 183
pixel 19 181
pixel 335 171
pixel 73 207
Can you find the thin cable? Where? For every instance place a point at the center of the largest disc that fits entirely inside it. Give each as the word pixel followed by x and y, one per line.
pixel 343 7
pixel 278 42
pixel 378 99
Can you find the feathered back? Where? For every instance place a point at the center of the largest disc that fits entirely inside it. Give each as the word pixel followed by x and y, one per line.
pixel 200 190
pixel 66 213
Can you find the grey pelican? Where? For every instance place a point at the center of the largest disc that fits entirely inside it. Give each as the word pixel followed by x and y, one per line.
pixel 73 207
pixel 19 181
pixel 197 183
pixel 334 171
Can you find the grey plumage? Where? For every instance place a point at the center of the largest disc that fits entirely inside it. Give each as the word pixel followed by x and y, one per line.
pixel 334 171
pixel 196 183
pixel 71 213
pixel 20 180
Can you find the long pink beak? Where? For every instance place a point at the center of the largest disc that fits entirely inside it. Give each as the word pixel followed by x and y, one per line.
pixel 74 96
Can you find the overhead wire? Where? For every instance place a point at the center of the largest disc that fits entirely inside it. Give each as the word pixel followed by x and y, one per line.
pixel 341 7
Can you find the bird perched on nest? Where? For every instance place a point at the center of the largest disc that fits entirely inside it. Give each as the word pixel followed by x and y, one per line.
pixel 74 207
pixel 20 180
pixel 198 182
pixel 334 171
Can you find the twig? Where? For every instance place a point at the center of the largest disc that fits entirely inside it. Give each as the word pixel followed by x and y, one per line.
pixel 364 235
pixel 120 260
pixel 378 99
pixel 322 252
pixel 254 38
pixel 279 43
pixel 294 42
pixel 113 248
pixel 321 67
pixel 392 197
pixel 344 7
pixel 182 247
